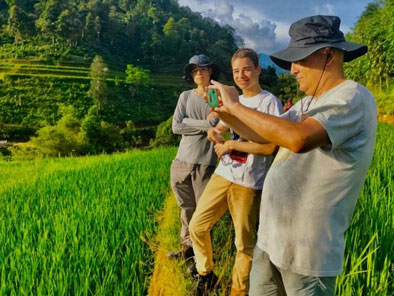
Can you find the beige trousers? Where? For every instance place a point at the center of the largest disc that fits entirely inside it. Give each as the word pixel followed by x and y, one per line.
pixel 243 204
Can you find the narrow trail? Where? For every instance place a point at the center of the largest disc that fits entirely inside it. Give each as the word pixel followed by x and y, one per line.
pixel 168 276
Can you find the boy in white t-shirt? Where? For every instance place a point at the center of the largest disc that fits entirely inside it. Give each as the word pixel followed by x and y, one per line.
pixel 236 184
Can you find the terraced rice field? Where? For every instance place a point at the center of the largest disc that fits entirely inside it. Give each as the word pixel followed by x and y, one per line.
pixel 26 69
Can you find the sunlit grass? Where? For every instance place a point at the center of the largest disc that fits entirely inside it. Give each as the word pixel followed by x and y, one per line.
pixel 77 226
pixel 369 254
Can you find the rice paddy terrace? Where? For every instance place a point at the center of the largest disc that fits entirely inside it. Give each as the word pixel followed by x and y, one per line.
pixel 31 68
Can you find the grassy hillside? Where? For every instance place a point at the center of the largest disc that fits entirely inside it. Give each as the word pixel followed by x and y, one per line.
pixel 80 226
pixel 31 93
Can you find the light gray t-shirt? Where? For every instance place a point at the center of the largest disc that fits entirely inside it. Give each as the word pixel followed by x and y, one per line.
pixel 308 199
pixel 245 169
pixel 190 121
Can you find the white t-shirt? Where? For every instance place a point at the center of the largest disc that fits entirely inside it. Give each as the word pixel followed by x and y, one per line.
pixel 245 169
pixel 309 198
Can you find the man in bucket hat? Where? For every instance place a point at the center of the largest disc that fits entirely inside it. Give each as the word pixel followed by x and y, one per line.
pixel 196 159
pixel 326 144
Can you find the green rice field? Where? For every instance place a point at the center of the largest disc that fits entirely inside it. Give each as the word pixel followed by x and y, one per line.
pixel 369 255
pixel 86 226
pixel 80 226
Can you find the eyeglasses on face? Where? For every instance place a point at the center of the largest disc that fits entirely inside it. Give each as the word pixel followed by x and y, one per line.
pixel 202 69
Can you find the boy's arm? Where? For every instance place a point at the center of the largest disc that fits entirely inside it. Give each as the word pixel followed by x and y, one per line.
pixel 273 107
pixel 181 124
pixel 248 147
pixel 214 133
pixel 200 124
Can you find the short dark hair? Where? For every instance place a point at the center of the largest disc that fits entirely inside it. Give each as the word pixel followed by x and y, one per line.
pixel 246 53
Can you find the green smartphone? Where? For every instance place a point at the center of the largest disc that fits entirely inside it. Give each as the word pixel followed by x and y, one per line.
pixel 213 101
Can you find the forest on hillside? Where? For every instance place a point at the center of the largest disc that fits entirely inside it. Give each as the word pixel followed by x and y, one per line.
pixel 156 34
pixel 48 49
pixel 375 28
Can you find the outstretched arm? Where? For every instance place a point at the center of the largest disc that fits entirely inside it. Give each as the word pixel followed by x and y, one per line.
pixel 248 147
pixel 296 136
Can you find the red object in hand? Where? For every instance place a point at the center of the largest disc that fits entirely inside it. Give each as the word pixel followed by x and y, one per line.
pixel 238 156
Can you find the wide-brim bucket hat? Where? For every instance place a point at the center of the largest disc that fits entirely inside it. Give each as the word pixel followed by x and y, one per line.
pixel 200 60
pixel 313 33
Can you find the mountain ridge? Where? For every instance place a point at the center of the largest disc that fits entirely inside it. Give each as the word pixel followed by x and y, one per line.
pixel 265 62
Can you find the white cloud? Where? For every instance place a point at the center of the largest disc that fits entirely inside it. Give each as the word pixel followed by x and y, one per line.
pixel 264 24
pixel 257 34
pixel 325 9
pixel 282 33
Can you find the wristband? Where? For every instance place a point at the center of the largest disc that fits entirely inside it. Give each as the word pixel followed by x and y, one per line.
pixel 214 122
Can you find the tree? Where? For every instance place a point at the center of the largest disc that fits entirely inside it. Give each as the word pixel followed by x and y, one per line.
pixel 48 17
pixel 165 136
pixel 20 24
pixel 100 136
pixel 63 139
pixel 98 85
pixel 68 24
pixel 286 88
pixel 137 77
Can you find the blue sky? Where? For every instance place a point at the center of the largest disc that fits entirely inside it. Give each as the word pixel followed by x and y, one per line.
pixel 264 24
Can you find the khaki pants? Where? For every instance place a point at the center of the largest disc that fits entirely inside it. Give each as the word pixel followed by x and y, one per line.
pixel 188 181
pixel 243 204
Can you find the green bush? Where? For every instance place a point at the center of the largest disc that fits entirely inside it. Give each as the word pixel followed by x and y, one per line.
pixel 15 132
pixel 99 135
pixel 165 136
pixel 385 102
pixel 63 139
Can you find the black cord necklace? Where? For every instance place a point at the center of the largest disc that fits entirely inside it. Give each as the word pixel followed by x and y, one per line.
pixel 314 92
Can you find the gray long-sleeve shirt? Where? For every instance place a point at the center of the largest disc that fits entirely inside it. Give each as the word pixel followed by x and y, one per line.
pixel 190 121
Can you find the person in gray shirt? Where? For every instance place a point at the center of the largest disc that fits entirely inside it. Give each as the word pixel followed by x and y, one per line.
pixel 326 145
pixel 196 158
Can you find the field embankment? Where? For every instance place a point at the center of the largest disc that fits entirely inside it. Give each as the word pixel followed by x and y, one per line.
pixel 170 277
pixel 81 226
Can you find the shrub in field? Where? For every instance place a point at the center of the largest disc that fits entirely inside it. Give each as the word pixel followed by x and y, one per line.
pixel 62 139
pixel 165 136
pixel 100 136
pixel 130 135
pixel 15 132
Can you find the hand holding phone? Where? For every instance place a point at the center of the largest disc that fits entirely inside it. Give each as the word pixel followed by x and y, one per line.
pixel 213 101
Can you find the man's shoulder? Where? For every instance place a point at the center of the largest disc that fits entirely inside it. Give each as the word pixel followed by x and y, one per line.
pixel 185 94
pixel 351 91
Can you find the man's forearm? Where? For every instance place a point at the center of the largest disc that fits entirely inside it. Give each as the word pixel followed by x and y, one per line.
pixel 271 128
pixel 296 136
pixel 241 128
pixel 253 148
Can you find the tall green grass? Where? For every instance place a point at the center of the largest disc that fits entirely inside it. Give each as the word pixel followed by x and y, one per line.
pixel 369 255
pixel 80 226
